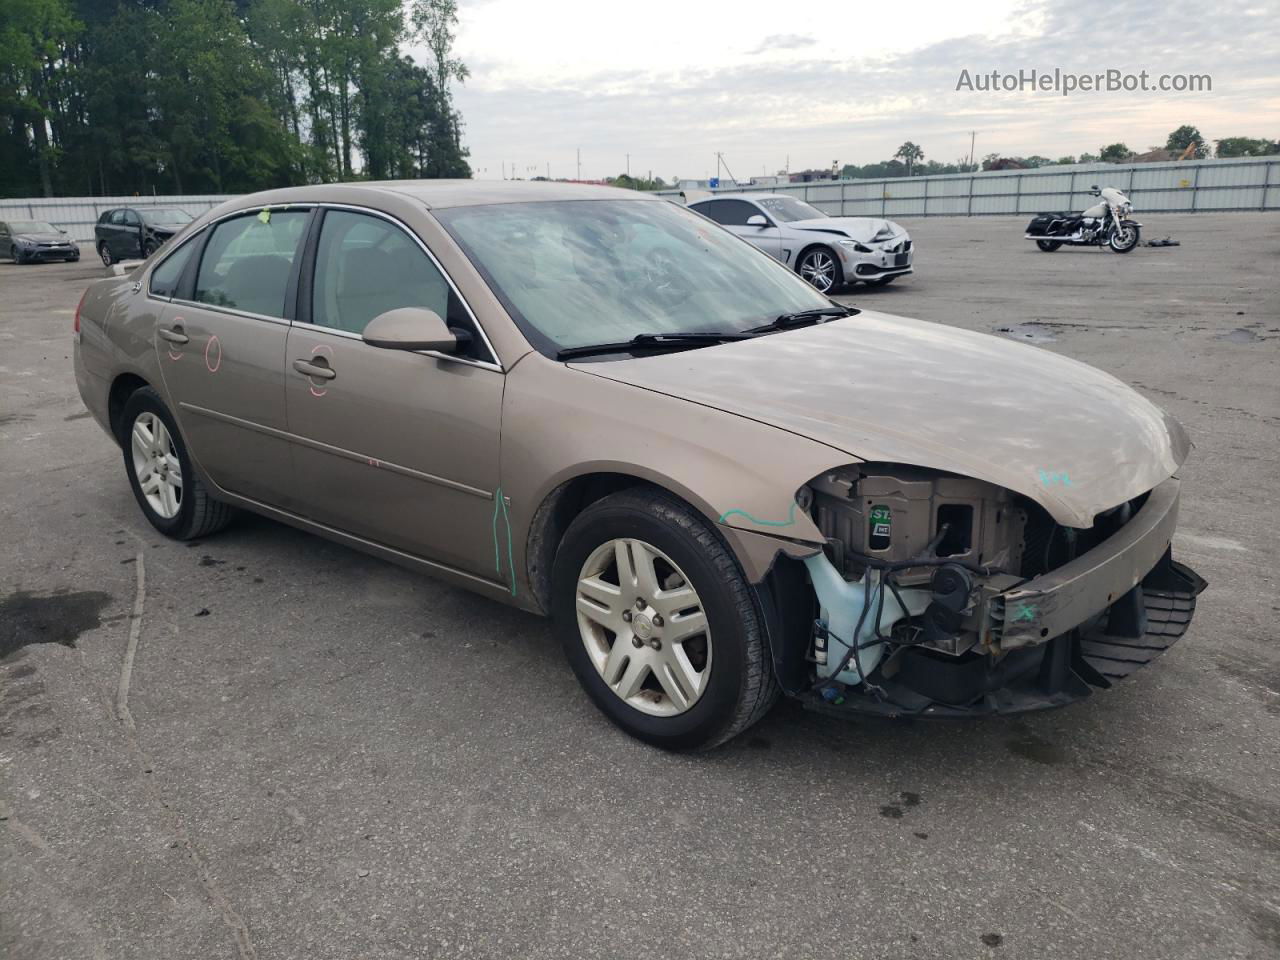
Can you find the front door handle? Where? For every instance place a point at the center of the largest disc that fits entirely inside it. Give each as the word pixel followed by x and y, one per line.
pixel 173 336
pixel 317 370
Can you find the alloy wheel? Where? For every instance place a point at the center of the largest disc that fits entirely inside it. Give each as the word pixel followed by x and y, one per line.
pixel 644 627
pixel 819 268
pixel 156 465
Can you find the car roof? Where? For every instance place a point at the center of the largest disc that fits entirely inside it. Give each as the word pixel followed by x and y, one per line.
pixel 439 194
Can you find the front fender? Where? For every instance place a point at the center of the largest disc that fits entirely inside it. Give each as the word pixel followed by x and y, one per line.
pixel 738 473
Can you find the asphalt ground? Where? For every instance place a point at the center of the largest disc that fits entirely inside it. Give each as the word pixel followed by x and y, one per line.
pixel 321 755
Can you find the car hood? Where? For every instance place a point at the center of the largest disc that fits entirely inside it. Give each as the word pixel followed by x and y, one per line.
pixel 43 237
pixel 166 227
pixel 855 228
pixel 889 389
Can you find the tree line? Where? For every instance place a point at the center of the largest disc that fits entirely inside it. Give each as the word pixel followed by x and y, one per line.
pixel 107 97
pixel 910 161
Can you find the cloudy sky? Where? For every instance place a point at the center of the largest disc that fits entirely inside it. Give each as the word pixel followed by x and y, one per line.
pixel 673 81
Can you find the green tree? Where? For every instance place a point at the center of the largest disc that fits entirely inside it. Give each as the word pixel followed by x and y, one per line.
pixel 1246 147
pixel 909 154
pixel 1184 137
pixel 1115 153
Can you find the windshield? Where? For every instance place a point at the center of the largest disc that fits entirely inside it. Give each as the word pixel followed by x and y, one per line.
pixel 32 226
pixel 787 209
pixel 582 272
pixel 166 215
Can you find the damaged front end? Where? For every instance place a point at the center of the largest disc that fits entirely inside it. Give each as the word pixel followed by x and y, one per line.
pixel 940 595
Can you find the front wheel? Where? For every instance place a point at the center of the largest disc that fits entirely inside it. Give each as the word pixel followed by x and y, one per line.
pixel 659 624
pixel 1123 238
pixel 1048 246
pixel 166 487
pixel 149 248
pixel 818 265
pixel 105 253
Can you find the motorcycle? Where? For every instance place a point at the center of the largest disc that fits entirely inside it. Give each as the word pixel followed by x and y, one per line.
pixel 1106 223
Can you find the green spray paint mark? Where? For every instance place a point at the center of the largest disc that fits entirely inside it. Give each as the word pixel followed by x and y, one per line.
pixel 791 518
pixel 1025 612
pixel 500 505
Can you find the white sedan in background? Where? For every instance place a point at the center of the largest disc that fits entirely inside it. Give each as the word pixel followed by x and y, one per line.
pixel 826 251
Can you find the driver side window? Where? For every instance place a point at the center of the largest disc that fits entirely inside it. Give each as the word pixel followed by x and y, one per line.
pixel 366 266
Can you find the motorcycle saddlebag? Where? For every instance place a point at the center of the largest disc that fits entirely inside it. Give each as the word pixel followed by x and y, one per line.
pixel 1041 223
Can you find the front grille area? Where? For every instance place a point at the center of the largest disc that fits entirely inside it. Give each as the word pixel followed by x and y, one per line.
pixel 1047 545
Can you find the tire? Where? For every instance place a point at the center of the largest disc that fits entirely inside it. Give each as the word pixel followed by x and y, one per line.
pixel 737 683
pixel 819 265
pixel 1048 246
pixel 105 253
pixel 881 281
pixel 197 514
pixel 1131 237
pixel 149 248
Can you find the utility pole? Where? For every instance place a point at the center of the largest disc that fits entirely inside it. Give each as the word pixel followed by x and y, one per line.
pixel 548 169
pixel 973 135
pixel 579 163
pixel 628 165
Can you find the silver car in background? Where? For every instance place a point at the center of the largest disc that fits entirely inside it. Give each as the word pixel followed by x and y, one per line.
pixel 827 251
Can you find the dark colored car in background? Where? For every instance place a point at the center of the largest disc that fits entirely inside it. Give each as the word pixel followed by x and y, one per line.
pixel 128 233
pixel 25 241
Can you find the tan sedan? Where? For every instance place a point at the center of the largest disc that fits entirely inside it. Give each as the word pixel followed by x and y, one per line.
pixel 598 405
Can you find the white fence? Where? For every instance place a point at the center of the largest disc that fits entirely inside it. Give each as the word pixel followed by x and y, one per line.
pixel 1193 186
pixel 77 215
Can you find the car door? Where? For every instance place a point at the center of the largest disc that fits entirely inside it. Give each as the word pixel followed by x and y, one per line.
pixel 397 447
pixel 221 347
pixel 128 236
pixel 733 215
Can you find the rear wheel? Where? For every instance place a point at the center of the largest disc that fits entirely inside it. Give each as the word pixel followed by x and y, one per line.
pixel 818 265
pixel 170 494
pixel 659 623
pixel 105 253
pixel 1048 246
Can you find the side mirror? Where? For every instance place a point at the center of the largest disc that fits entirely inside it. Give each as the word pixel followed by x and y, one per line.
pixel 410 328
pixel 758 220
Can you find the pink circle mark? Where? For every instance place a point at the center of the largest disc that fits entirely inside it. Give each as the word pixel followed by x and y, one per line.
pixel 213 365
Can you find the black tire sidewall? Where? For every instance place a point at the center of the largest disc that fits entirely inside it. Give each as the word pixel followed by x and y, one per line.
pixel 718 706
pixel 147 400
pixel 1137 238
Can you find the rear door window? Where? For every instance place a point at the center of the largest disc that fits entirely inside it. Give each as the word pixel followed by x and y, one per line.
pixel 247 262
pixel 731 213
pixel 165 278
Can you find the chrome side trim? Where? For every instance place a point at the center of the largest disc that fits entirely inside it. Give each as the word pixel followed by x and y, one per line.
pixel 337 451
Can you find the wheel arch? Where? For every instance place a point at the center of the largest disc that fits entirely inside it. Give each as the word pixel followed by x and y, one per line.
pixel 123 387
pixel 561 505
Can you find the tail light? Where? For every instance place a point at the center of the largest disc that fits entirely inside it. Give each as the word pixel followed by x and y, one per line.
pixel 75 324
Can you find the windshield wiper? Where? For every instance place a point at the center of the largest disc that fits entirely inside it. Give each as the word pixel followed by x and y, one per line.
pixel 651 341
pixel 802 318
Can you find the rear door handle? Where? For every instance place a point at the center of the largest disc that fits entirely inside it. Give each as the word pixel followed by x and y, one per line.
pixel 319 371
pixel 173 336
